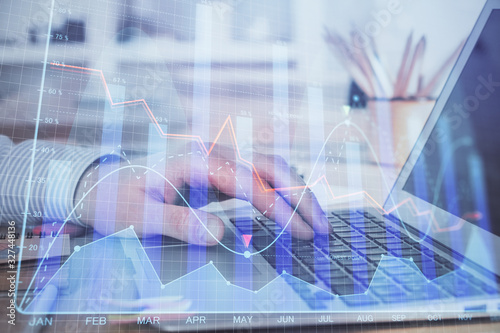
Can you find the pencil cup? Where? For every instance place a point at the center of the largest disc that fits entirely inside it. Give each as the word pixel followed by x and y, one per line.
pixel 399 123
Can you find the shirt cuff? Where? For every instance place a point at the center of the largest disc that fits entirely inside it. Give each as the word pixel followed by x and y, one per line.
pixel 56 171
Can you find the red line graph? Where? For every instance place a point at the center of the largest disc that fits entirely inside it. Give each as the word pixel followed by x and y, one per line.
pixel 228 124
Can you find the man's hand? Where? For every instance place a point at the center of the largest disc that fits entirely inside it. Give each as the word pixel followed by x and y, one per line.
pixel 149 193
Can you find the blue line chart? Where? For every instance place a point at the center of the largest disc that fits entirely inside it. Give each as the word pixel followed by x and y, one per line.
pixel 82 280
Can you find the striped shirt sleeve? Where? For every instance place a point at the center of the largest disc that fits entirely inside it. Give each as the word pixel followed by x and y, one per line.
pixel 50 176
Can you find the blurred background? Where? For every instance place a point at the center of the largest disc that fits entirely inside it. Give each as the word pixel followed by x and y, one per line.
pixel 263 63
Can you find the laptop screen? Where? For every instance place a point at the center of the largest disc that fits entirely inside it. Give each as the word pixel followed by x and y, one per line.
pixel 458 169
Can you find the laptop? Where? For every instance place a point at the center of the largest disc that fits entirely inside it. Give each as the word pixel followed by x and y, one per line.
pixel 431 254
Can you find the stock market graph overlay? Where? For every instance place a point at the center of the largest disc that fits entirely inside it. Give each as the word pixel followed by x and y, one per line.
pixel 243 164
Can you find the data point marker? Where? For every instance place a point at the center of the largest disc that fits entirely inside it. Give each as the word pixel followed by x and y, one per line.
pixel 347 108
pixel 246 239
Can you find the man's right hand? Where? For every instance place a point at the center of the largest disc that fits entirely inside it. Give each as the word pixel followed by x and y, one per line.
pixel 150 203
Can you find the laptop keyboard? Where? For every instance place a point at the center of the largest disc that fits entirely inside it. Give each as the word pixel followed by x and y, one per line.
pixel 348 263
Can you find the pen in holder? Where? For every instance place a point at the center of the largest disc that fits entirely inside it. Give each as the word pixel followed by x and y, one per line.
pixel 372 78
pixel 397 103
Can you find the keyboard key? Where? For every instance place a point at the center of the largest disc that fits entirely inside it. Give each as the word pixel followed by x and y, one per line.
pixel 302 247
pixel 359 300
pixel 389 294
pixel 261 242
pixel 358 266
pixel 425 292
pixel 299 286
pixel 441 270
pixel 403 235
pixel 363 245
pixel 373 251
pixel 343 228
pixel 441 260
pixel 365 275
pixel 368 215
pixel 331 268
pixel 411 242
pixel 377 235
pixel 372 228
pixel 270 224
pixel 335 221
pixel 462 290
pixel 305 253
pixel 395 232
pixel 408 250
pixel 353 238
pixel 311 261
pixel 306 294
pixel 380 223
pixel 302 274
pixel 394 268
pixel 463 274
pixel 275 229
pixel 373 258
pixel 354 265
pixel 346 234
pixel 407 278
pixel 334 240
pixel 362 231
pixel 347 288
pixel 388 240
pixel 348 215
pixel 361 224
pixel 322 240
pixel 249 229
pixel 337 256
pixel 338 277
pixel 337 248
pixel 451 266
pixel 242 220
pixel 334 274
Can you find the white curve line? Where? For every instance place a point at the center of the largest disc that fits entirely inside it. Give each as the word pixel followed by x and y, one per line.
pixel 387 187
pixel 429 226
pixel 102 179
pixel 187 203
pixel 209 232
pixel 304 190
